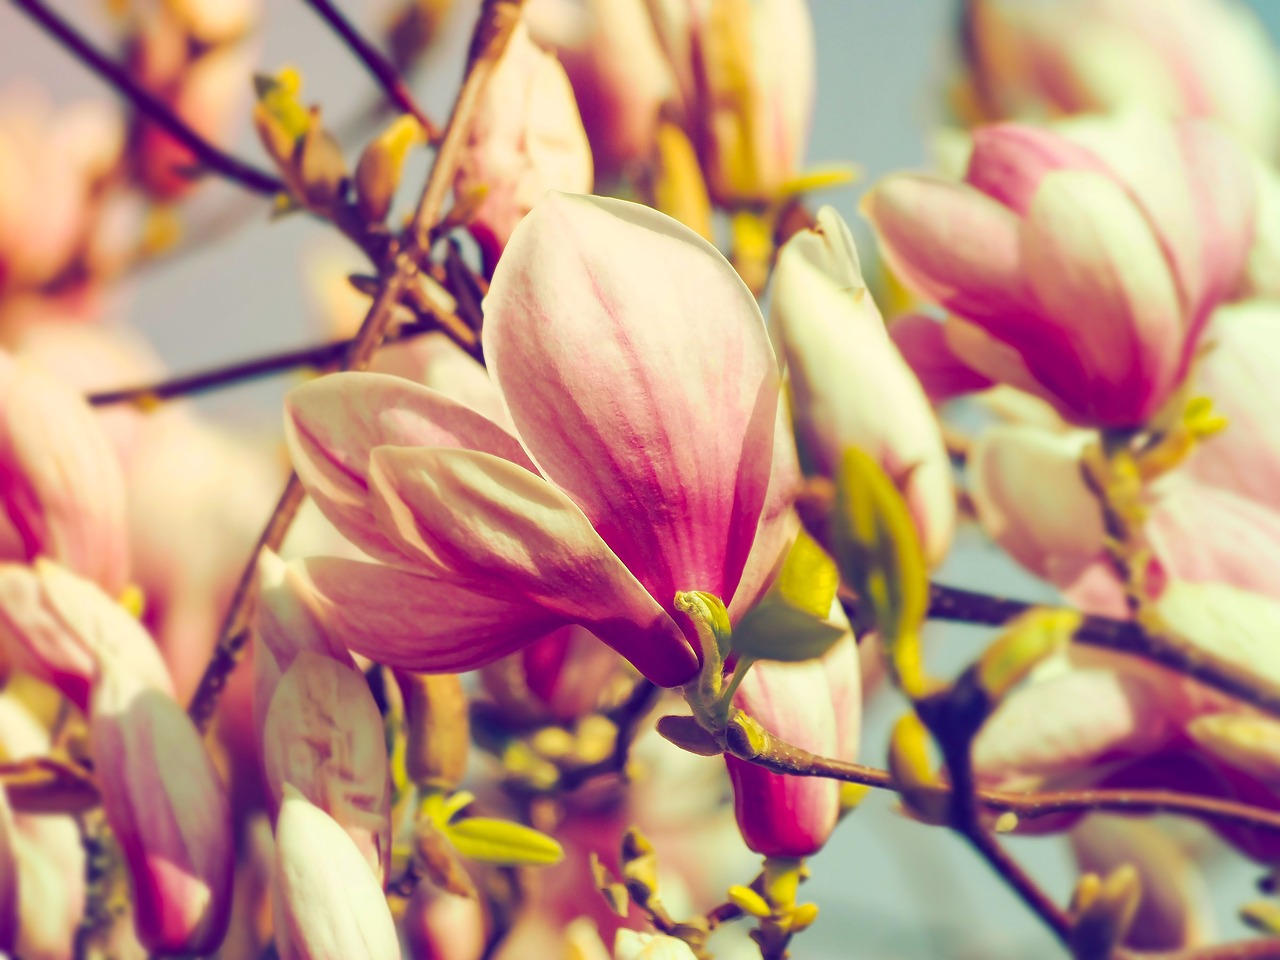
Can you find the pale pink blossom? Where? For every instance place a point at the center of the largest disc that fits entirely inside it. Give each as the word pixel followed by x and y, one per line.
pixel 324 737
pixel 1032 499
pixel 526 139
pixel 64 630
pixel 328 905
pixel 167 808
pixel 1181 58
pixel 630 945
pixel 621 75
pixel 815 705
pixel 441 926
pixel 50 163
pixel 1083 265
pixel 849 384
pixel 648 416
pixel 1237 371
pixel 60 481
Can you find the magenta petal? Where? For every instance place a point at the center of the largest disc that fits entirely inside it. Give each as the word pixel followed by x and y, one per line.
pixel 954 245
pixel 486 522
pixel 1010 159
pixel 331 425
pixel 649 401
pixel 417 623
pixel 923 343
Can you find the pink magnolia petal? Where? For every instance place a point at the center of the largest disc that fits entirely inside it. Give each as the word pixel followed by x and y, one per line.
pixel 60 480
pixel 332 424
pixel 169 811
pixel 953 244
pixel 330 907
pixel 944 374
pixel 1072 722
pixel 62 628
pixel 413 622
pixel 1031 498
pixel 325 738
pixel 1238 373
pixel 289 623
pixel 1010 160
pixel 813 705
pixel 9 876
pixel 507 531
pixel 651 405
pixel 1105 286
pixel 1225 199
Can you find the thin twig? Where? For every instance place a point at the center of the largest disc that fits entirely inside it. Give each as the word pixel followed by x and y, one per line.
pixel 782 757
pixel 382 69
pixel 209 156
pixel 317 356
pixel 497 21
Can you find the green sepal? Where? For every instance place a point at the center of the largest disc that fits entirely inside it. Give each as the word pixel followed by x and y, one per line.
pixel 501 842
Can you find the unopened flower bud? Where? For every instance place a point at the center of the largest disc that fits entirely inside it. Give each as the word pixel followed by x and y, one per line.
pixel 168 809
pixel 439 738
pixel 380 166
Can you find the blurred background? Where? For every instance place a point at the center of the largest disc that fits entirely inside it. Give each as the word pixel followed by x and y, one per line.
pixel 888 888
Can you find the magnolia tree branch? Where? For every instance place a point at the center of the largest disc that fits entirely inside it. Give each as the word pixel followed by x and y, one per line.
pixel 497 21
pixel 1120 636
pixel 382 69
pixel 210 157
pixel 784 758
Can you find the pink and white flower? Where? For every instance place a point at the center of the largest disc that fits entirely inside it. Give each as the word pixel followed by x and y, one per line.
pixel 645 428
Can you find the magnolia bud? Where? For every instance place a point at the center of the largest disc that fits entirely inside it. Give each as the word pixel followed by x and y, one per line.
pixel 439 738
pixel 380 166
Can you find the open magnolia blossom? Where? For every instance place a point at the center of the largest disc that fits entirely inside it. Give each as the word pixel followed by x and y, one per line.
pixel 1080 264
pixel 644 422
pixel 1180 58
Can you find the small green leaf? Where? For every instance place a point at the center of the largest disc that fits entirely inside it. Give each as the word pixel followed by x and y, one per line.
pixel 878 552
pixel 776 631
pixel 790 622
pixel 489 840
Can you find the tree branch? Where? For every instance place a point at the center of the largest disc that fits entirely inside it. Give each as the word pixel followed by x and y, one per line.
pixel 382 69
pixel 210 157
pixel 497 21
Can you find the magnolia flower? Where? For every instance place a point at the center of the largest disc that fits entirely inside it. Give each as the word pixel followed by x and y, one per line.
pixel 1032 499
pixel 756 78
pixel 1237 371
pixel 324 738
pixel 50 164
pixel 167 808
pixel 645 416
pixel 621 75
pixel 1080 265
pixel 64 630
pixel 526 138
pixel 849 384
pixel 329 906
pixel 1102 719
pixel 815 705
pixel 739 73
pixel 1181 58
pixel 60 481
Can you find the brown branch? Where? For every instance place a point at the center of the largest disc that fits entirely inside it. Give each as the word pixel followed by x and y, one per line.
pixel 210 157
pixel 316 356
pixel 496 23
pixel 1119 636
pixel 382 69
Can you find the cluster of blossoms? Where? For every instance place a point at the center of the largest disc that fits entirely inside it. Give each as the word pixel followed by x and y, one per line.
pixel 642 502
